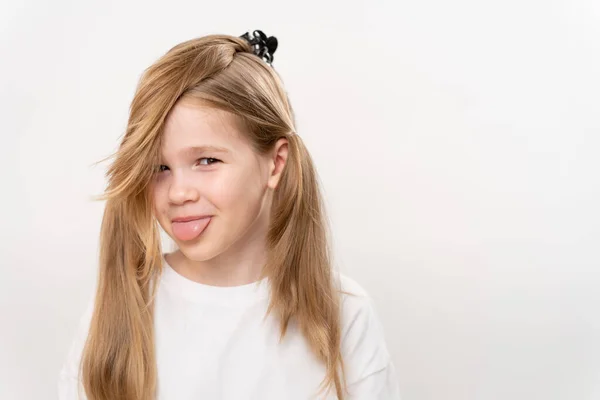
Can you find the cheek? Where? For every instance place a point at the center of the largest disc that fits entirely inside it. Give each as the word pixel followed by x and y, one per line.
pixel 239 194
pixel 159 204
pixel 229 193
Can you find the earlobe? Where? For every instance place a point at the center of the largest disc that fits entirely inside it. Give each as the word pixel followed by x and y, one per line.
pixel 279 160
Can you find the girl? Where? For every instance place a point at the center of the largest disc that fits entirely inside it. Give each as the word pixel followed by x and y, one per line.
pixel 248 306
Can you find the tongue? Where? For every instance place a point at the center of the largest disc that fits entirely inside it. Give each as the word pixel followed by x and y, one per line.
pixel 190 229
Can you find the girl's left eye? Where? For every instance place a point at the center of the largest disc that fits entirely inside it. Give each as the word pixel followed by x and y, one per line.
pixel 209 160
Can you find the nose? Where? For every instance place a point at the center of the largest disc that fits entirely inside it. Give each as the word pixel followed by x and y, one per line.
pixel 182 190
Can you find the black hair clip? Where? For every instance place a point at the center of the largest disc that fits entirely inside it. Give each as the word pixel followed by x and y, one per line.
pixel 263 46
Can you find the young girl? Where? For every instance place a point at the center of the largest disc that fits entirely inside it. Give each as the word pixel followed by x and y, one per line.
pixel 248 306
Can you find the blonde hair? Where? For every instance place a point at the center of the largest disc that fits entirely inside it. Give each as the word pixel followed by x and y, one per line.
pixel 118 360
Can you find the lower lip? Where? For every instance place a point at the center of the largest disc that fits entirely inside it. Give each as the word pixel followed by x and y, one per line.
pixel 190 230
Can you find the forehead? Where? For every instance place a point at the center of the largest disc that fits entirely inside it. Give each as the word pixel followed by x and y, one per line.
pixel 192 126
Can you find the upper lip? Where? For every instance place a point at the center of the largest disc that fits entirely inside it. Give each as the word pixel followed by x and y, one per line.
pixel 189 218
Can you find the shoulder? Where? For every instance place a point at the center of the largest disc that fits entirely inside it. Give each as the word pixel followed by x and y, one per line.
pixel 69 379
pixel 364 345
pixel 357 306
pixel 350 286
pixel 355 300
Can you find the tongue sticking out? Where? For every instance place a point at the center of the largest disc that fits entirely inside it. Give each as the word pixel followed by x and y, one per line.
pixel 191 229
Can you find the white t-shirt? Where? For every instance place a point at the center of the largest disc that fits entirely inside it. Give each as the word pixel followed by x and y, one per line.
pixel 213 343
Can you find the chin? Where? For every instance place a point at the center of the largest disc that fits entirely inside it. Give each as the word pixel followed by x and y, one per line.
pixel 198 250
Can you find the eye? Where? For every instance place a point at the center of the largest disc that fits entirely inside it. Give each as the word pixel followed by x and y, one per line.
pixel 202 161
pixel 209 160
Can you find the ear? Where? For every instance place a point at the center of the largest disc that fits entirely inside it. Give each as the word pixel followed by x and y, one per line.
pixel 277 162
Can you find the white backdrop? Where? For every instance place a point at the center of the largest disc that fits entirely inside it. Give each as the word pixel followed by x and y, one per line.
pixel 457 143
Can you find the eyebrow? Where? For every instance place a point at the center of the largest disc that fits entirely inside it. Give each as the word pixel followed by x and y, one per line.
pixel 197 149
pixel 203 149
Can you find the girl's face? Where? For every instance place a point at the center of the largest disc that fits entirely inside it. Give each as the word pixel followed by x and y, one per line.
pixel 210 173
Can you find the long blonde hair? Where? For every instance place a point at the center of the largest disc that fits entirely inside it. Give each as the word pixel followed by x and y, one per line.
pixel 118 360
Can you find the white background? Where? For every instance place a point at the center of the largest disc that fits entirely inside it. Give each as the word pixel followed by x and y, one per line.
pixel 457 143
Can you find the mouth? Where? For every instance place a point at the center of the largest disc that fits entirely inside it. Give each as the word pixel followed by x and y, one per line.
pixel 189 228
pixel 189 218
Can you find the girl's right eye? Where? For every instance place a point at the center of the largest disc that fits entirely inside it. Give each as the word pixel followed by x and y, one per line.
pixel 160 168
